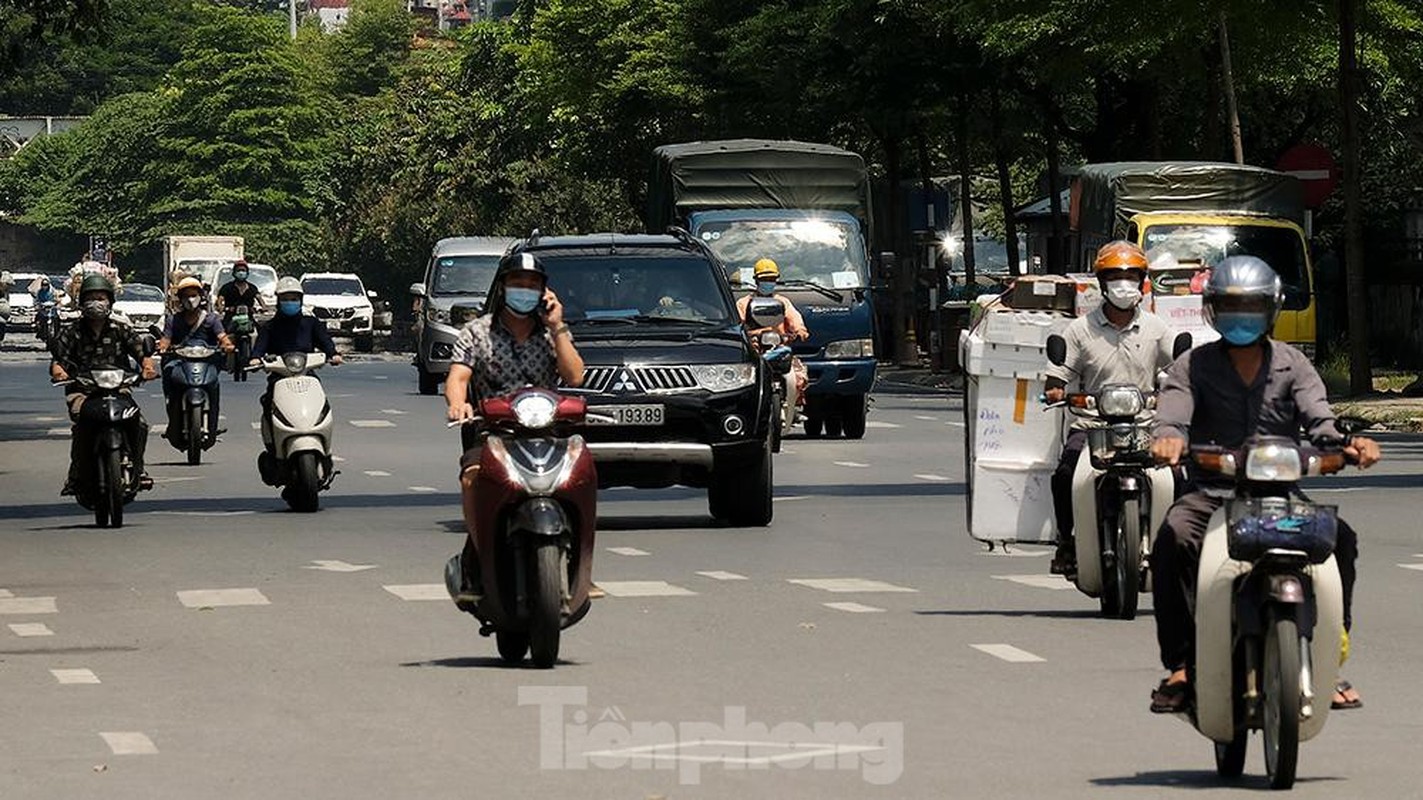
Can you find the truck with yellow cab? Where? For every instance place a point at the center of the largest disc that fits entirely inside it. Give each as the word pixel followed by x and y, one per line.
pixel 1190 215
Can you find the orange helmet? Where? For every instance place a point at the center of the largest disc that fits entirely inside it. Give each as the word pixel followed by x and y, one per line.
pixel 1120 255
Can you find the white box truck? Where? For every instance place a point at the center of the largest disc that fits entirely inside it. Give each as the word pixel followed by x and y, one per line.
pixel 198 256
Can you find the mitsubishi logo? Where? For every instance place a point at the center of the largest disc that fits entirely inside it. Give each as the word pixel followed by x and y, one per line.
pixel 626 383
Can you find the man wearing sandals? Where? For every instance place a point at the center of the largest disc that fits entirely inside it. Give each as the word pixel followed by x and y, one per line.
pixel 1222 393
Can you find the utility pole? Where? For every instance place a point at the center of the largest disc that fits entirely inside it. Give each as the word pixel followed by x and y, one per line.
pixel 291 17
pixel 1356 288
pixel 1228 78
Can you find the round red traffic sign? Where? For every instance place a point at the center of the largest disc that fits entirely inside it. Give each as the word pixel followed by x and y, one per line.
pixel 1316 169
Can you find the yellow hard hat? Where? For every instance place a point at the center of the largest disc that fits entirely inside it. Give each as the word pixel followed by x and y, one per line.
pixel 766 268
pixel 188 283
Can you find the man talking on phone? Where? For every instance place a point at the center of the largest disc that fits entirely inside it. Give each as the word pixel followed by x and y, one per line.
pixel 521 340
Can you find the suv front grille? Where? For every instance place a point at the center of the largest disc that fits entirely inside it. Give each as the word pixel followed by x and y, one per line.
pixel 638 380
pixel 333 313
pixel 665 379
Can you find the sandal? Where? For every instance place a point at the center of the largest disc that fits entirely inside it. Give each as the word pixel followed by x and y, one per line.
pixel 1341 700
pixel 1170 698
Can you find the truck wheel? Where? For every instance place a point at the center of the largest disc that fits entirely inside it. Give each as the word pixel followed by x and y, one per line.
pixel 741 493
pixel 853 411
pixel 429 382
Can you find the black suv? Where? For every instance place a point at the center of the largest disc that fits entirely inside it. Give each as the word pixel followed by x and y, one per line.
pixel 666 356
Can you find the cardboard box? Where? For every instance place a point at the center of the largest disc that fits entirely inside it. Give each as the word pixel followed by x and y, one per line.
pixel 1043 293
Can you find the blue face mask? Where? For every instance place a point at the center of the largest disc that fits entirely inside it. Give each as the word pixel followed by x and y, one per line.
pixel 1241 328
pixel 289 308
pixel 520 300
pixel 766 287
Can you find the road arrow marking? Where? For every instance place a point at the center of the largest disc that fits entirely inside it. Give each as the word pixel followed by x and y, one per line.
pixel 337 566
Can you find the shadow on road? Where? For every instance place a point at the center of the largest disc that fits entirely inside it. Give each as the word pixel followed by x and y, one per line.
pixel 263 504
pixel 1054 613
pixel 657 522
pixel 479 662
pixel 1198 779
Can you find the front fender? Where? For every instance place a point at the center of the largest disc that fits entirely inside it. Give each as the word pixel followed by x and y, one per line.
pixel 195 396
pixel 540 516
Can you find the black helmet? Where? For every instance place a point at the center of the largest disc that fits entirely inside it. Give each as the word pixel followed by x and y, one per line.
pixel 512 264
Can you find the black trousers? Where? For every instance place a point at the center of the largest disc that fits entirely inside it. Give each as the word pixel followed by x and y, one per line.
pixel 1176 561
pixel 1062 484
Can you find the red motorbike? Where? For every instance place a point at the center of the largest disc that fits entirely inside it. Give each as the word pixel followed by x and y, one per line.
pixel 531 511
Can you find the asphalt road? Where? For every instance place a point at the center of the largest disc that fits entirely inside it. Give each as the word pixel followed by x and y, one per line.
pixel 921 670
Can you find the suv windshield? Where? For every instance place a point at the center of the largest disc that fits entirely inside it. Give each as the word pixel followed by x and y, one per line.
pixel 674 287
pixel 140 292
pixel 463 274
pixel 823 252
pixel 343 287
pixel 1282 248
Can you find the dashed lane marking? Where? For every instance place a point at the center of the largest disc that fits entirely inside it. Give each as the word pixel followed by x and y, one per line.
pixel 381 377
pixel 339 459
pixel 926 417
pixel 372 423
pixel 855 464
pixel 214 598
pixel 58 432
pixel 129 743
pixel 718 575
pixel 790 498
pixel 1038 581
pixel 423 489
pixel 6 593
pixel 31 629
pixel 628 551
pixel 338 566
pixel 419 591
pixel 49 419
pixel 931 477
pixel 28 605
pixel 256 426
pixel 954 424
pixel 377 473
pixel 874 423
pixel 1008 652
pixel 643 589
pixel 854 608
pixel 68 676
pixel 1418 567
pixel 848 585
pixel 392 411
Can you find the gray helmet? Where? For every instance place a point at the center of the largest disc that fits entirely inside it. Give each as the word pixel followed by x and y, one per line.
pixel 1237 279
pixel 289 285
pixel 94 282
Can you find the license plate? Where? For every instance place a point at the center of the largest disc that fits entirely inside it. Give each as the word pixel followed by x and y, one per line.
pixel 333 324
pixel 630 415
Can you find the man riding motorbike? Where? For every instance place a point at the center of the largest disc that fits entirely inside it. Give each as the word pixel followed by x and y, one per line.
pixel 98 341
pixel 792 328
pixel 238 292
pixel 521 340
pixel 191 325
pixel 1116 343
pixel 1222 393
pixel 290 331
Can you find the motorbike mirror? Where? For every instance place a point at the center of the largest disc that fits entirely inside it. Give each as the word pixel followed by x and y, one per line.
pixel 1056 349
pixel 1182 344
pixel 1352 425
pixel 417 289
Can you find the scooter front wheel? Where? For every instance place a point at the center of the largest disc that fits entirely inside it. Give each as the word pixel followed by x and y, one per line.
pixel 546 604
pixel 302 493
pixel 512 646
pixel 1282 700
pixel 114 488
pixel 195 434
pixel 1230 758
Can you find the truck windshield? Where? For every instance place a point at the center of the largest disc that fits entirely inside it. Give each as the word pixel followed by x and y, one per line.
pixel 463 274
pixel 824 252
pixel 1281 248
pixel 638 286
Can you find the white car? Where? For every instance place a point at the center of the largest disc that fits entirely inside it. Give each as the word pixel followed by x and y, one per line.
pixel 340 300
pixel 22 303
pixel 143 304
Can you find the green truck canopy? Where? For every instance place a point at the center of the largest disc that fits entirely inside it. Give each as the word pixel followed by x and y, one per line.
pixel 753 173
pixel 1111 194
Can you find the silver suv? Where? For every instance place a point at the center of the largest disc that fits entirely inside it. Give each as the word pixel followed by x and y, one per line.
pixel 456 282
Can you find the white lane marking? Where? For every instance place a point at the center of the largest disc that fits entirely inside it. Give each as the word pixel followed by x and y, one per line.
pixel 213 598
pixel 338 459
pixel 381 377
pixel 129 743
pixel 58 432
pixel 6 593
pixel 49 419
pixel 158 430
pixel 874 423
pixel 719 575
pixel 31 629
pixel 628 551
pixel 954 424
pixel 256 426
pixel 419 591
pixel 1418 567
pixel 1014 553
pixel 721 752
pixel 854 608
pixel 643 589
pixel 372 423
pixel 67 676
pixel 423 489
pixel 28 605
pixel 1038 581
pixel 392 411
pixel 928 476
pixel 338 566
pixel 855 464
pixel 205 513
pixel 790 498
pixel 926 417
pixel 843 585
pixel 1008 652
pixel 222 416
pixel 377 473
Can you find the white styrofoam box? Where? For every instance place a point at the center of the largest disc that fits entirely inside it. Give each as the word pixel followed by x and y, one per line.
pixel 1012 505
pixel 1013 446
pixel 1185 312
pixel 983 359
pixel 1021 327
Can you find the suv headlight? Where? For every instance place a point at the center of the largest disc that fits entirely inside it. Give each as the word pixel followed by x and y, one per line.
pixel 724 377
pixel 1273 463
pixel 851 348
pixel 1120 401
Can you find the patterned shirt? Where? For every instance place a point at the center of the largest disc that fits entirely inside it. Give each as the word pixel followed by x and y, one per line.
pixel 501 364
pixel 78 349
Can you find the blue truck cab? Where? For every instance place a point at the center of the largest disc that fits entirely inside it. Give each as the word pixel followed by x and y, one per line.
pixel 806 207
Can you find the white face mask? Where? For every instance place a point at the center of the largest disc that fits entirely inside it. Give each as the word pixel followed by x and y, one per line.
pixel 1123 294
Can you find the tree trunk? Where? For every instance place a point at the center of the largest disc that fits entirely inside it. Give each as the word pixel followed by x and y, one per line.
pixel 1055 246
pixel 1360 373
pixel 906 349
pixel 1005 184
pixel 965 170
pixel 1227 77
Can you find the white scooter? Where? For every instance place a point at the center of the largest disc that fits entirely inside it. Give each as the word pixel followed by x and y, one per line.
pixel 764 312
pixel 297 431
pixel 1269 607
pixel 1119 496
